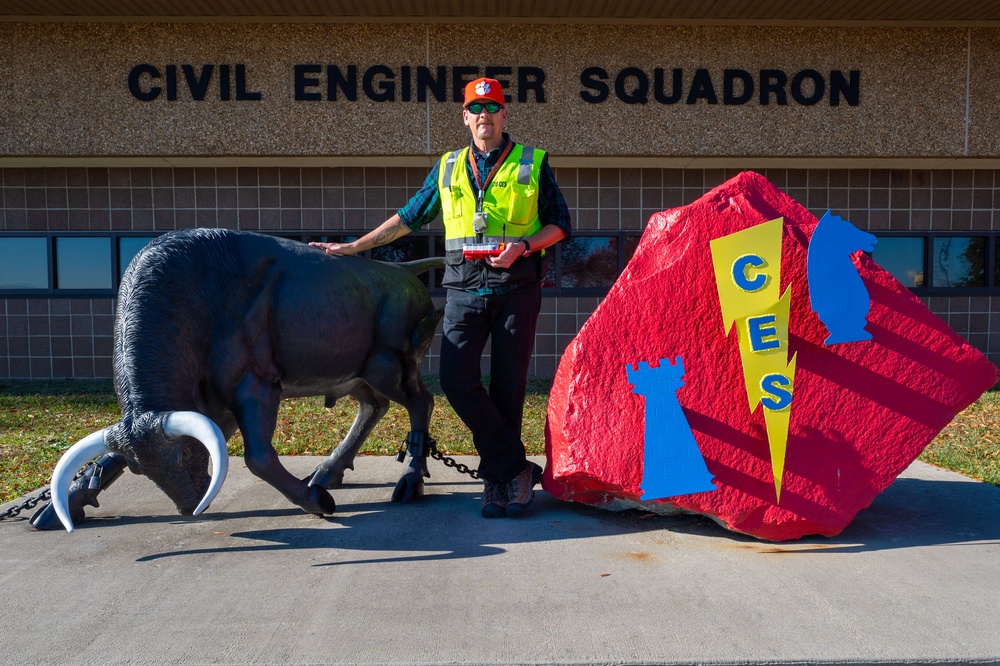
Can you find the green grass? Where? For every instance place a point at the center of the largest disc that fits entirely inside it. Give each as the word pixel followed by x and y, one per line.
pixel 38 421
pixel 970 445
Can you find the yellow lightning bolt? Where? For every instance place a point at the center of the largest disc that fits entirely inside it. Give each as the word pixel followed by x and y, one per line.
pixel 748 276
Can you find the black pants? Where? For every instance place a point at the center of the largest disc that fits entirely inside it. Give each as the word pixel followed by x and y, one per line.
pixel 493 414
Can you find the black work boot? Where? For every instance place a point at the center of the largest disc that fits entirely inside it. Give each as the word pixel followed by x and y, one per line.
pixel 520 490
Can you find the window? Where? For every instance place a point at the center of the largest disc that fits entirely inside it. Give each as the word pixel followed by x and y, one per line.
pixel 24 263
pixel 589 262
pixel 959 261
pixel 996 264
pixel 551 280
pixel 631 243
pixel 407 248
pixel 904 257
pixel 83 262
pixel 940 263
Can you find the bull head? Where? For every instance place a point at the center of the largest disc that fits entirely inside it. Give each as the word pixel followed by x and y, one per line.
pixel 179 469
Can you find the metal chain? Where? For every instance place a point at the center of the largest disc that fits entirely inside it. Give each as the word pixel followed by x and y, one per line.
pixel 43 496
pixel 454 464
pixel 29 503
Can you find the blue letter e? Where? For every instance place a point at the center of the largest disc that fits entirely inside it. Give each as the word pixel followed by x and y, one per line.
pixel 762 334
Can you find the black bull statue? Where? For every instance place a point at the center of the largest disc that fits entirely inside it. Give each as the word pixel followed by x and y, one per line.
pixel 213 329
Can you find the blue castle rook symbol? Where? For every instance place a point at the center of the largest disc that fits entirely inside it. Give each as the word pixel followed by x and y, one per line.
pixel 672 463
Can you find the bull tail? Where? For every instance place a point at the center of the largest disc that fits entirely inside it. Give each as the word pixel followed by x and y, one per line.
pixel 423 334
pixel 169 424
pixel 418 266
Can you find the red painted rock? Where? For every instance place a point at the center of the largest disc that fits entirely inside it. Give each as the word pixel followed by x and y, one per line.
pixel 861 411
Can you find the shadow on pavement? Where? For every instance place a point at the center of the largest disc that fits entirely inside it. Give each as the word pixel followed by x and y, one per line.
pixel 912 512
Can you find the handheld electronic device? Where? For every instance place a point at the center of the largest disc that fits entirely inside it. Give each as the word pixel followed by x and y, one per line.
pixel 482 250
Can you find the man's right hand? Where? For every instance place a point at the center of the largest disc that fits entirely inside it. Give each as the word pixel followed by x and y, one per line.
pixel 386 232
pixel 335 248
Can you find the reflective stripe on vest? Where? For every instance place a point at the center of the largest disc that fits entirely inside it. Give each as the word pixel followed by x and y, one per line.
pixel 524 173
pixel 449 164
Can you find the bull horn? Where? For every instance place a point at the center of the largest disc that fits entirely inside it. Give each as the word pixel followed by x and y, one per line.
pixel 78 455
pixel 202 428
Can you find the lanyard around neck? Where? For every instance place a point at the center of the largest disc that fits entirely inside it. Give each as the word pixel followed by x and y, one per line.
pixel 478 180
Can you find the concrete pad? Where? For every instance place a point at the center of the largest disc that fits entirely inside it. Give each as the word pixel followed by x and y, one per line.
pixel 915 578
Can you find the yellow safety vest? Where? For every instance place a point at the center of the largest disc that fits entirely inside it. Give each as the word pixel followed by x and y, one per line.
pixel 510 201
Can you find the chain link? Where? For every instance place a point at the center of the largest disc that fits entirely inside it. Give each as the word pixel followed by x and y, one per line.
pixel 43 496
pixel 454 464
pixel 29 503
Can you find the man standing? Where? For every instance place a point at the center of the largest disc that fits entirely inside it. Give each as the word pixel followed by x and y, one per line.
pixel 492 191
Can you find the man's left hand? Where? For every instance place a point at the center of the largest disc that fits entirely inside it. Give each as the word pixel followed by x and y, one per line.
pixel 505 259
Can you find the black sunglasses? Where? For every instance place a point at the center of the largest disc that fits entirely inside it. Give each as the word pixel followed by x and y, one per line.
pixel 477 107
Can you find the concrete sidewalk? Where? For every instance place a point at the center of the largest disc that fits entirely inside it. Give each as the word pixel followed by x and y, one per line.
pixel 915 578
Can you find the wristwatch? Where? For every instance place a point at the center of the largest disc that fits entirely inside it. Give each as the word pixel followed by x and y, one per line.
pixel 527 246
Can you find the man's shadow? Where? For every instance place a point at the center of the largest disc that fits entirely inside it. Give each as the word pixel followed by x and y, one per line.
pixel 442 526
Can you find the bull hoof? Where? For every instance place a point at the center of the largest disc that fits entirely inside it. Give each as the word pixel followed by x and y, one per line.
pixel 409 488
pixel 320 502
pixel 325 478
pixel 45 518
pixel 80 495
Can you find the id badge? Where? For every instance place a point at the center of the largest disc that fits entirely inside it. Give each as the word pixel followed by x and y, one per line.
pixel 479 222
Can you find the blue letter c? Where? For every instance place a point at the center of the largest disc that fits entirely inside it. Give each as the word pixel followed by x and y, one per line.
pixel 740 276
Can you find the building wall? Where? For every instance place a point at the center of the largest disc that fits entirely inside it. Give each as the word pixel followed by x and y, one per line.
pixel 45 338
pixel 924 93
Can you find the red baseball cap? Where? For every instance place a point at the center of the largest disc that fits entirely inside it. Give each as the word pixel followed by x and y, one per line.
pixel 484 89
